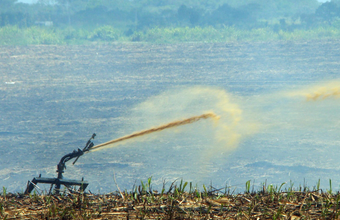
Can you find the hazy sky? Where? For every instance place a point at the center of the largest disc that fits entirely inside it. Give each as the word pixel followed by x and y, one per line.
pixel 28 1
pixel 34 1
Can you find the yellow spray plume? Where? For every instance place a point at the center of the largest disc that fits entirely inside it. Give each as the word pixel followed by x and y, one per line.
pixel 160 128
pixel 166 108
pixel 320 92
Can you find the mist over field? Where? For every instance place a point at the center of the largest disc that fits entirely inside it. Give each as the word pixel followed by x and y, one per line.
pixel 278 105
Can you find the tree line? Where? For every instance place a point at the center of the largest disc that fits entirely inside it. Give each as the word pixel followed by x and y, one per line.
pixel 145 14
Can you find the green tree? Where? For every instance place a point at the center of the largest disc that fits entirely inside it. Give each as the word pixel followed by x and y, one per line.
pixel 188 14
pixel 6 5
pixel 328 11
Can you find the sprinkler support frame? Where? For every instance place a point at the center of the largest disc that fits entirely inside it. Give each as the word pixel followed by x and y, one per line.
pixel 60 170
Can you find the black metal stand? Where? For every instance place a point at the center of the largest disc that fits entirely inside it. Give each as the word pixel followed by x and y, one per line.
pixel 57 182
pixel 60 170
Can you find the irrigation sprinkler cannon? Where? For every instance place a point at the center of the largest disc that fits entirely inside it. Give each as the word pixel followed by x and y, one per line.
pixel 60 170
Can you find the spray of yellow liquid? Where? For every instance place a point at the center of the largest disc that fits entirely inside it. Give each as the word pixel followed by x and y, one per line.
pixel 323 93
pixel 159 128
pixel 202 142
pixel 205 139
pixel 320 92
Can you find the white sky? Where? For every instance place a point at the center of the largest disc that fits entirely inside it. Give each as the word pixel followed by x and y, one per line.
pixel 28 1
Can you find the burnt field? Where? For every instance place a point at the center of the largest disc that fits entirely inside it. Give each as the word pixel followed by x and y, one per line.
pixel 53 98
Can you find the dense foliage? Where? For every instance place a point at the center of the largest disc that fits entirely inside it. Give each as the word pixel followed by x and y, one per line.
pixel 80 21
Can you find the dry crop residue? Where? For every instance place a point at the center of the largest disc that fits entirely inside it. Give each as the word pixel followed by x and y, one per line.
pixel 172 205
